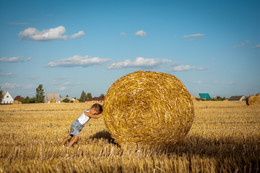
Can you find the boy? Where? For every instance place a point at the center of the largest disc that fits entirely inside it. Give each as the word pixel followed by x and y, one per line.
pixel 94 112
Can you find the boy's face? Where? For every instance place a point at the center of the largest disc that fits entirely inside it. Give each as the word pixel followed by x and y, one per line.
pixel 93 111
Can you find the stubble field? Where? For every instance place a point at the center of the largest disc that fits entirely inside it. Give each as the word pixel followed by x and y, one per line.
pixel 225 137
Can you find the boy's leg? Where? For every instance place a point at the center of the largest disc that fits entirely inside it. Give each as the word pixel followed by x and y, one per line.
pixel 66 140
pixel 74 140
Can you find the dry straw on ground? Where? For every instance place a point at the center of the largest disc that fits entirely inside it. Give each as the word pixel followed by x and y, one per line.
pixel 148 108
pixel 224 137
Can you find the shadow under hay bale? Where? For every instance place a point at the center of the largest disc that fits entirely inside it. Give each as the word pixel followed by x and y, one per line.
pixel 104 135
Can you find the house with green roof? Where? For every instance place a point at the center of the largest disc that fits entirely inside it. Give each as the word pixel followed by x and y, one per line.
pixel 204 96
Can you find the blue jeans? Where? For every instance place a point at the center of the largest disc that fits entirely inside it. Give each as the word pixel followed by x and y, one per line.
pixel 76 127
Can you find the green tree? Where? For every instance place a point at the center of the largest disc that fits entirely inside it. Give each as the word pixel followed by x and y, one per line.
pixel 66 100
pixel 1 95
pixel 89 96
pixel 83 96
pixel 102 95
pixel 33 100
pixel 25 100
pixel 39 94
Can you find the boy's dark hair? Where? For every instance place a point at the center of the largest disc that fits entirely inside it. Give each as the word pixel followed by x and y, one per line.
pixel 97 107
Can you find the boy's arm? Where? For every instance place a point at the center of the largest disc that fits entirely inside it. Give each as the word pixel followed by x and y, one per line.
pixel 94 116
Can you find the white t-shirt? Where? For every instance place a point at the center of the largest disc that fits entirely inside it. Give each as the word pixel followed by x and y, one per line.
pixel 83 119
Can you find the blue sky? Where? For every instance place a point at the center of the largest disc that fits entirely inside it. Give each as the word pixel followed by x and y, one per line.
pixel 71 46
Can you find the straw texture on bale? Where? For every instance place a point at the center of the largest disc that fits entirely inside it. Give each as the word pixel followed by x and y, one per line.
pixel 193 98
pixel 253 100
pixel 148 108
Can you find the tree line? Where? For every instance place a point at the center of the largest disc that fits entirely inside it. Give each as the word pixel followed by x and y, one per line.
pixel 39 97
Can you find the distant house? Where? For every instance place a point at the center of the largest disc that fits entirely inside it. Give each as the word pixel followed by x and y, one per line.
pixel 237 98
pixel 204 96
pixel 52 96
pixel 96 99
pixel 7 98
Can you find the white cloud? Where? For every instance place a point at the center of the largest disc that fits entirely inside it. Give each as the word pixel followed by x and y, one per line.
pixel 139 62
pixel 141 33
pixel 242 44
pixel 15 59
pixel 83 61
pixel 28 59
pixel 10 85
pixel 194 36
pixel 49 34
pixel 257 46
pixel 7 74
pixel 122 34
pixel 183 68
pixel 197 82
pixel 201 68
pixel 187 68
pixel 12 59
pixel 79 34
pixel 62 88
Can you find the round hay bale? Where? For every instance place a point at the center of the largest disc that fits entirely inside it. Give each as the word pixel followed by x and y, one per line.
pixel 257 100
pixel 148 108
pixel 193 98
pixel 52 101
pixel 253 100
pixel 76 101
pixel 247 99
pixel 17 102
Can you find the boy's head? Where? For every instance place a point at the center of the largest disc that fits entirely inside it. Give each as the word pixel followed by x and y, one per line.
pixel 96 109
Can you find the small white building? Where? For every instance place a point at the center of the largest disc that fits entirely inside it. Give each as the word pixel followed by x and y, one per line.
pixel 54 96
pixel 7 98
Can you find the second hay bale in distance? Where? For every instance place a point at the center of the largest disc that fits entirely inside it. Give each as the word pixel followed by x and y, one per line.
pixel 253 100
pixel 149 108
